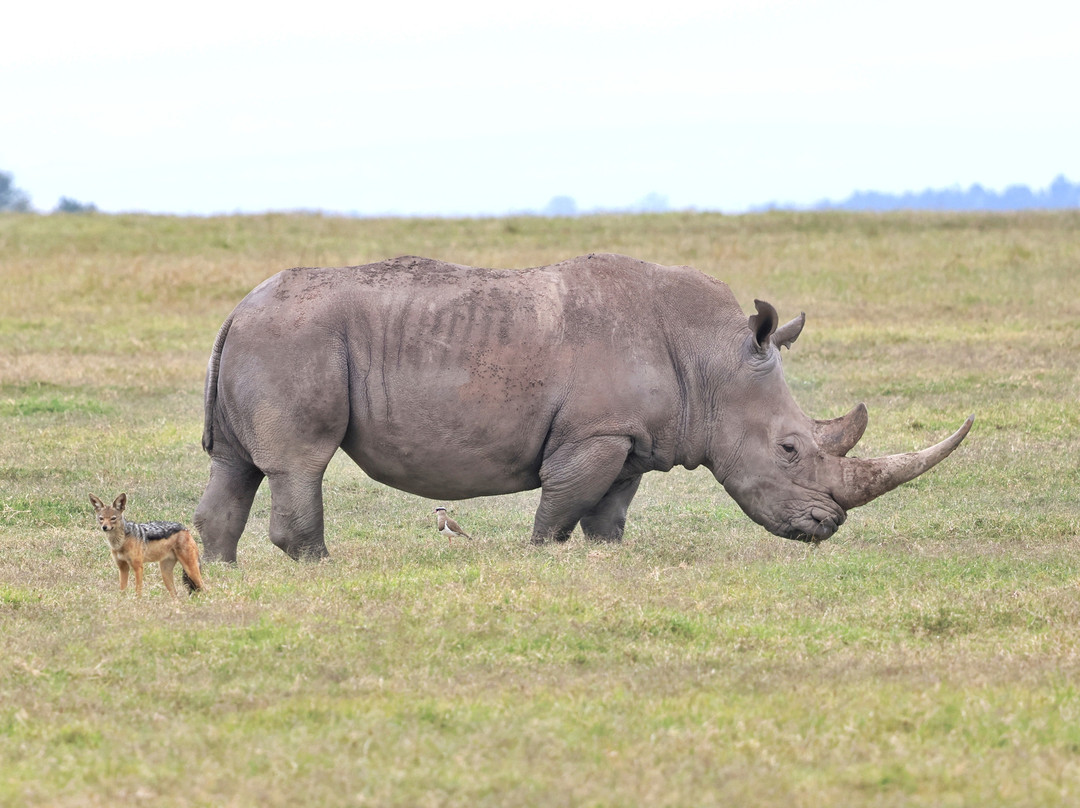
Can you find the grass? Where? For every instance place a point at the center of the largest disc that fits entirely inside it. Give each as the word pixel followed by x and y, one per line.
pixel 926 655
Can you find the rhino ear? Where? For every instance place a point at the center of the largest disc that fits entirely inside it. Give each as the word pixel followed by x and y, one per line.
pixel 763 324
pixel 789 332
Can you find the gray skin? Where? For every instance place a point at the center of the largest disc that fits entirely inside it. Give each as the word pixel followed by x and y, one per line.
pixel 452 382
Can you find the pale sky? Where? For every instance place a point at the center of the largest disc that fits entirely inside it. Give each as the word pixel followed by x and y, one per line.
pixel 476 107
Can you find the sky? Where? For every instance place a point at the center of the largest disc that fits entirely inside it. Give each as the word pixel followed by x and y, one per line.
pixel 478 108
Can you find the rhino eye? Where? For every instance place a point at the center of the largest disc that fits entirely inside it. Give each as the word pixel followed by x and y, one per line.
pixel 789 449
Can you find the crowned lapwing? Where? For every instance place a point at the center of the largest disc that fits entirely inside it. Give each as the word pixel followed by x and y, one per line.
pixel 447 526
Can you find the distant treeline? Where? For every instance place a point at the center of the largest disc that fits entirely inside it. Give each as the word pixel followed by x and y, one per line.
pixel 1060 194
pixel 16 199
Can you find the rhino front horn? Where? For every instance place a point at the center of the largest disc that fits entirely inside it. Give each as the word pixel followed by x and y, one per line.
pixel 867 479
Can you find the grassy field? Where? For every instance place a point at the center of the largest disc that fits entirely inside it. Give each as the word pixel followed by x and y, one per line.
pixel 929 654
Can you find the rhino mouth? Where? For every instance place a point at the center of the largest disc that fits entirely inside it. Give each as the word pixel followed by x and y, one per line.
pixel 816 527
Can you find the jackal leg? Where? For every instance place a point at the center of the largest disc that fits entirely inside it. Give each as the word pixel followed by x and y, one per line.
pixel 167 565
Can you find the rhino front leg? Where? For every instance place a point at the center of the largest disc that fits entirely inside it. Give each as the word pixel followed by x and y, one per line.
pixel 574 480
pixel 224 507
pixel 606 521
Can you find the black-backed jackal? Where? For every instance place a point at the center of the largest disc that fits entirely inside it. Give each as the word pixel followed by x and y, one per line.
pixel 134 544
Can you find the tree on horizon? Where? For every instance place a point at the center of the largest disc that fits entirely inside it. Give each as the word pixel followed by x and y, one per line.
pixel 12 198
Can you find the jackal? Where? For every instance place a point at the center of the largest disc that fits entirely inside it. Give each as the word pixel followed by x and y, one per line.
pixel 134 544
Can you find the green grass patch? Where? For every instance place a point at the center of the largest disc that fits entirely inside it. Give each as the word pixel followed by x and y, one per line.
pixel 46 400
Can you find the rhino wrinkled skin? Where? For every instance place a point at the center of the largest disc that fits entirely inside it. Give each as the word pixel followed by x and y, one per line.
pixel 451 382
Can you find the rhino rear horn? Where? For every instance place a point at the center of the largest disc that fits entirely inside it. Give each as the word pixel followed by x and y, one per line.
pixel 838 436
pixel 865 479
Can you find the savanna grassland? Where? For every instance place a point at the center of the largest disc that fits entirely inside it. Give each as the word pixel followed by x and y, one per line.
pixel 929 654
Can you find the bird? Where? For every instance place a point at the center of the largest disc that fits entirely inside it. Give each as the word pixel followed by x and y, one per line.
pixel 447 526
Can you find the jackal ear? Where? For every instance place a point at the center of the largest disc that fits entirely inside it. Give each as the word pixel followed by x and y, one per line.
pixel 120 502
pixel 97 503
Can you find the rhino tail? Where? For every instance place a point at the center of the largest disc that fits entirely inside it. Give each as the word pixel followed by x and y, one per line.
pixel 210 393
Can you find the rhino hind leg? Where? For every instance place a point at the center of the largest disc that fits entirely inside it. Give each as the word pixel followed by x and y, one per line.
pixel 296 514
pixel 223 510
pixel 605 522
pixel 575 482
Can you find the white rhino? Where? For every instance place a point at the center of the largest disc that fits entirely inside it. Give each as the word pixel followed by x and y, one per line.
pixel 452 382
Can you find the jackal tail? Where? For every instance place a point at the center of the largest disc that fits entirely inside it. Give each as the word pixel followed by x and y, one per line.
pixel 190 584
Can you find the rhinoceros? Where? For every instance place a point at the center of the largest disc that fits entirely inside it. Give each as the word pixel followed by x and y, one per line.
pixel 452 382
